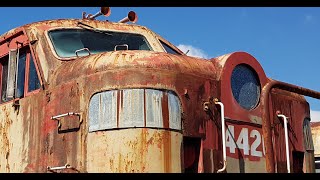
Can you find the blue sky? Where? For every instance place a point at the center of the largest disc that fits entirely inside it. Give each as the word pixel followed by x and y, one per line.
pixel 286 41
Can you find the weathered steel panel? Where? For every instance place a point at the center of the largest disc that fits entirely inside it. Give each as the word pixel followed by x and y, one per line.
pixel 153 107
pixel 134 150
pixel 103 111
pixel 174 111
pixel 245 165
pixel 108 106
pixel 11 140
pixel 94 113
pixel 131 111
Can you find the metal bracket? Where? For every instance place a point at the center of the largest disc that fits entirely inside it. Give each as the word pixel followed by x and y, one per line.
pixel 121 45
pixel 83 49
pixel 206 105
pixel 57 168
pixel 63 115
pixel 67 166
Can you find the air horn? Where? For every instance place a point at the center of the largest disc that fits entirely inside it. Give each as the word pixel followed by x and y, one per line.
pixel 106 11
pixel 132 17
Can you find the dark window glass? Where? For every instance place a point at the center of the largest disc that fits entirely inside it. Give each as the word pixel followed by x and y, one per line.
pixel 308 143
pixel 34 82
pixel 21 74
pixel 169 49
pixel 4 75
pixel 245 86
pixel 317 164
pixel 67 41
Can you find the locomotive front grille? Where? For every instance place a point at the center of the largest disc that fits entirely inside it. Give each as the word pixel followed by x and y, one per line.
pixel 134 108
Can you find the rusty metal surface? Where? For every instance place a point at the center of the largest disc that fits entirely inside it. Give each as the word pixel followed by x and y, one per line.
pixel 11 155
pixel 115 70
pixel 244 121
pixel 117 94
pixel 266 114
pixel 134 150
pixel 296 111
pixel 245 166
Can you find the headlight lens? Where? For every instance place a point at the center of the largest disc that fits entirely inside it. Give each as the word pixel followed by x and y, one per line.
pixel 245 86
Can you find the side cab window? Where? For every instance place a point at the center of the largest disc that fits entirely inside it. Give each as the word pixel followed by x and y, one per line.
pixel 18 73
pixel 168 48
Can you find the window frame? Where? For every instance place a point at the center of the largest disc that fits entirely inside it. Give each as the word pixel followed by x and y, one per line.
pixel 54 53
pixel 25 48
pixel 307 135
pixel 2 58
pixel 162 40
pixel 26 80
pixel 163 43
pixel 256 77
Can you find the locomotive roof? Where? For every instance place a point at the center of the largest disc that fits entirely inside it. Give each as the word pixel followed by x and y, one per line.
pixel 69 23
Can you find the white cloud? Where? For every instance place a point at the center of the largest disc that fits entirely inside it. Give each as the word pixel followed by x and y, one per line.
pixel 315 116
pixel 309 18
pixel 193 51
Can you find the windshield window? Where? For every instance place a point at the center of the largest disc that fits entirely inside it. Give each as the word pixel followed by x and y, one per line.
pixel 67 41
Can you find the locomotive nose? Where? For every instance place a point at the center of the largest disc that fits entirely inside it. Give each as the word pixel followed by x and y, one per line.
pixel 134 130
pixel 134 112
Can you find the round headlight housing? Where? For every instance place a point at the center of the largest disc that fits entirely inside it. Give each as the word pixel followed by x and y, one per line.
pixel 245 86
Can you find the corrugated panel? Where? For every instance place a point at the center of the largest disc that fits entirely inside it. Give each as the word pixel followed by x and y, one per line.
pixel 174 111
pixel 154 108
pixel 13 54
pixel 103 111
pixel 131 111
pixel 137 108
pixel 108 107
pixel 94 113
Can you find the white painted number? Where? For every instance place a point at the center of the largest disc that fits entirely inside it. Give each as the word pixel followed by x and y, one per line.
pixel 256 143
pixel 243 141
pixel 229 139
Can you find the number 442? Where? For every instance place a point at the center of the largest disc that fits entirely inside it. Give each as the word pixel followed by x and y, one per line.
pixel 243 141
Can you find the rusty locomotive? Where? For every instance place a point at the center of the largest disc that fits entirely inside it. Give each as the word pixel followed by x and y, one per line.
pixel 83 95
